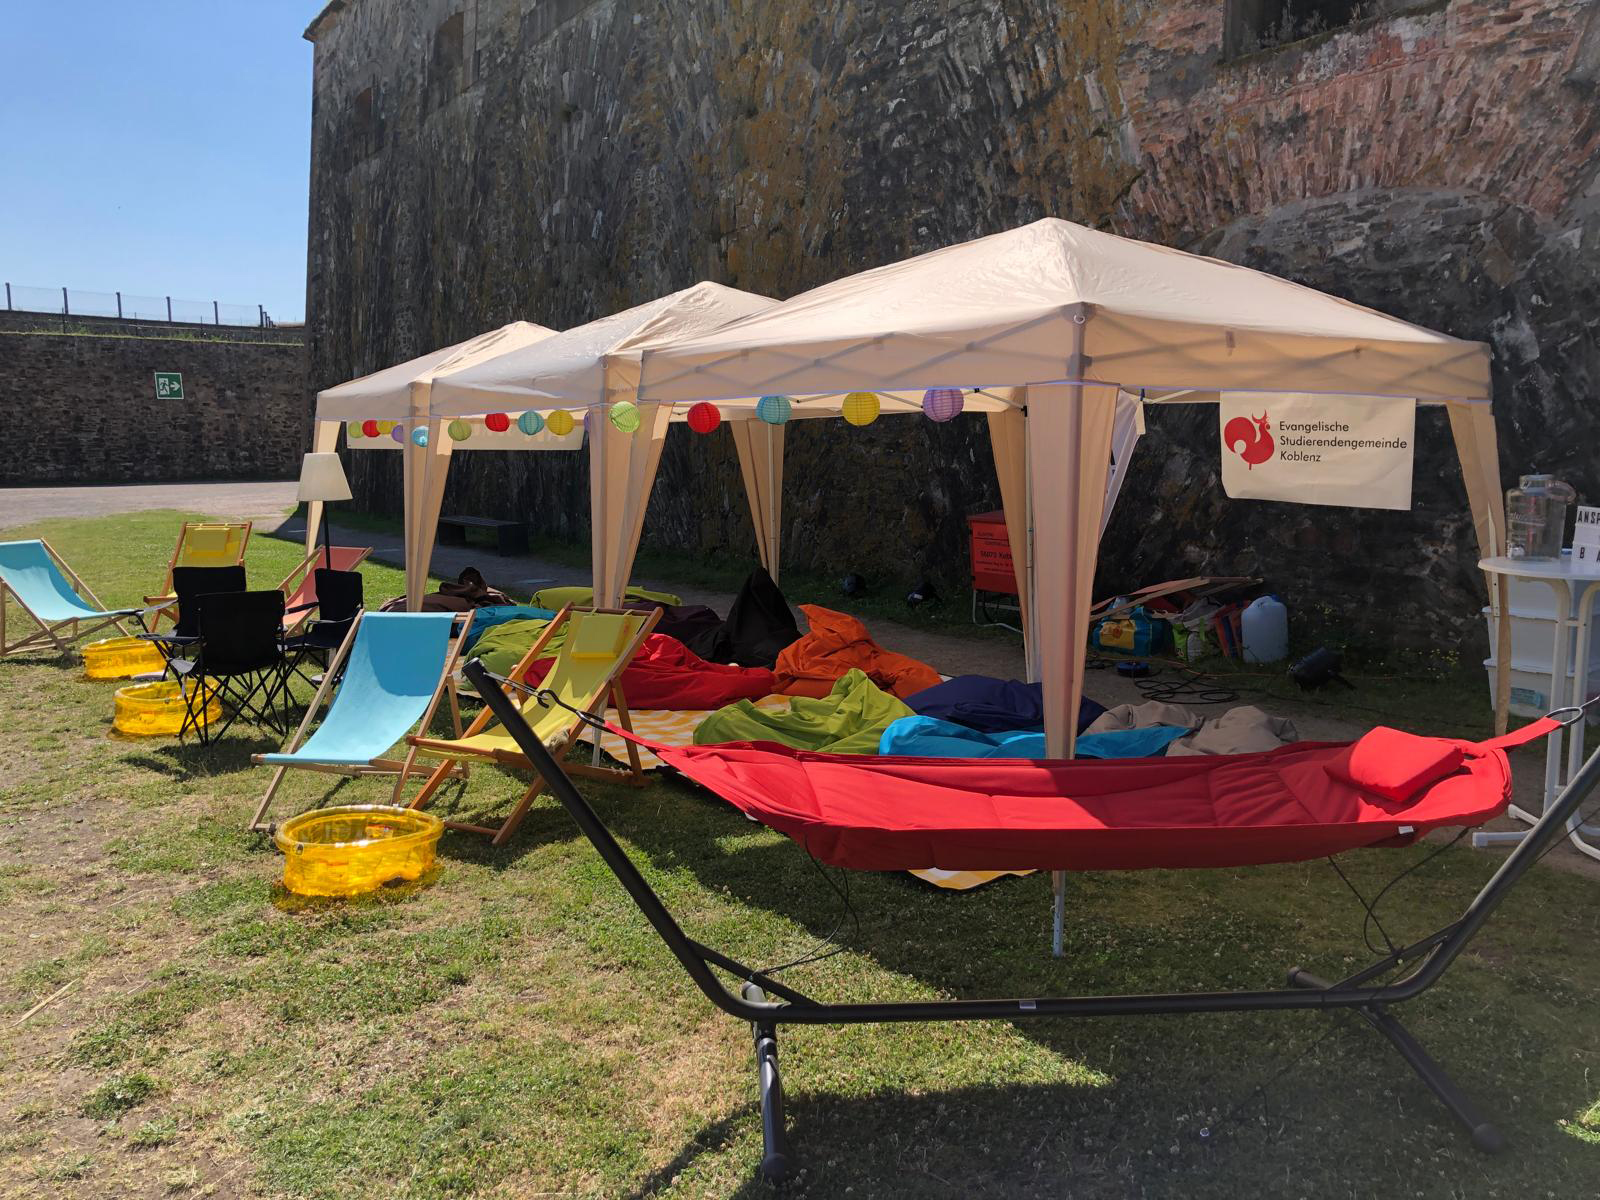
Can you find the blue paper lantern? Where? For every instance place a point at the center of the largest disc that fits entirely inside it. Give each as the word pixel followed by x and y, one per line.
pixel 530 423
pixel 419 436
pixel 774 410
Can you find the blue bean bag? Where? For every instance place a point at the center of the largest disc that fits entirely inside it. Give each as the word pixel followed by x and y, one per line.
pixel 928 737
pixel 992 705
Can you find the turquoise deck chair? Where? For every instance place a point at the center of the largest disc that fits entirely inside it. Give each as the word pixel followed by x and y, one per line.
pixel 395 669
pixel 50 592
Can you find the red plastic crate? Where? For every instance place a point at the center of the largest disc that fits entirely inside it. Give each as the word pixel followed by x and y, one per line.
pixel 992 569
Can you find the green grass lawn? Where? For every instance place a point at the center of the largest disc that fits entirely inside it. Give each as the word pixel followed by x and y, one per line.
pixel 513 1029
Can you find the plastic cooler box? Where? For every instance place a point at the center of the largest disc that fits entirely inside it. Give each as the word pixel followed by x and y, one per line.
pixel 992 569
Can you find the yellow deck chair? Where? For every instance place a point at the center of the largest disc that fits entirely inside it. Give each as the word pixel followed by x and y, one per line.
pixel 200 544
pixel 600 643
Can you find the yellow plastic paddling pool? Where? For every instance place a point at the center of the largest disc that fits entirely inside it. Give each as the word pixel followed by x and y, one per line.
pixel 121 658
pixel 355 848
pixel 157 709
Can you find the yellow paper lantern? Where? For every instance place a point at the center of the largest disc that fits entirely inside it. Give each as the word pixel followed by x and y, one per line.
pixel 861 408
pixel 559 422
pixel 385 428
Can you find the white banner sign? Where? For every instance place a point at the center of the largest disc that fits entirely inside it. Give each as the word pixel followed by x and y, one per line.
pixel 1350 451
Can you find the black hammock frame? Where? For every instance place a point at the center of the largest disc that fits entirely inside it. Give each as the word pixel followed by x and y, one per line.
pixel 767 1003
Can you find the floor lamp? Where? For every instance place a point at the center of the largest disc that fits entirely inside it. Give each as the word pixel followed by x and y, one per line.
pixel 322 478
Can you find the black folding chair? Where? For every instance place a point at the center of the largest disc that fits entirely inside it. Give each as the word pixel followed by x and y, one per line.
pixel 188 584
pixel 339 600
pixel 238 657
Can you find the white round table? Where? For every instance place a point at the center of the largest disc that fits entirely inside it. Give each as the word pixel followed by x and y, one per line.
pixel 1574 589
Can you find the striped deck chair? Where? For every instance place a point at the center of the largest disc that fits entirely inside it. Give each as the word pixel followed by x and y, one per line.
pixel 200 544
pixel 392 670
pixel 299 586
pixel 599 645
pixel 48 591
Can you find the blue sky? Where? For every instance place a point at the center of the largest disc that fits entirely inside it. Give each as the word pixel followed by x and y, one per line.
pixel 159 147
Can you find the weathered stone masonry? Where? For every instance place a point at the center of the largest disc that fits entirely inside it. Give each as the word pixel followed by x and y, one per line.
pixel 476 161
pixel 80 407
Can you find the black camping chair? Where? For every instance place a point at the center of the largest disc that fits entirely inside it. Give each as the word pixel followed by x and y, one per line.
pixel 188 584
pixel 237 657
pixel 340 598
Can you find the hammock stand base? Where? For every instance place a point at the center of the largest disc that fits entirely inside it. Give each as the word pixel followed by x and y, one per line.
pixel 767 1003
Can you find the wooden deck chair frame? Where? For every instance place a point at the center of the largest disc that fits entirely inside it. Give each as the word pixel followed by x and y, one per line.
pixel 376 766
pixel 166 601
pixel 49 632
pixel 292 581
pixel 609 694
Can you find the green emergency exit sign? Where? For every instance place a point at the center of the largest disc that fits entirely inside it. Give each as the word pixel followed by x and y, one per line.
pixel 169 385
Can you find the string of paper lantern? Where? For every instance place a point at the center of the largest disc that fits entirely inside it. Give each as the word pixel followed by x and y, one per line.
pixel 939 404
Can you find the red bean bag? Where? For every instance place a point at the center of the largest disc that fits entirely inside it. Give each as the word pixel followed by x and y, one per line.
pixel 667 674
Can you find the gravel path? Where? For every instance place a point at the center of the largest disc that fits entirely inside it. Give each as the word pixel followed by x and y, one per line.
pixel 24 506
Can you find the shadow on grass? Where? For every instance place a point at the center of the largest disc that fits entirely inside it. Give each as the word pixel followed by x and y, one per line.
pixel 228 755
pixel 1126 932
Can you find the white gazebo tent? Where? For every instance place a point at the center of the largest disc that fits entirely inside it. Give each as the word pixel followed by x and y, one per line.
pixel 587 369
pixel 1067 320
pixel 399 395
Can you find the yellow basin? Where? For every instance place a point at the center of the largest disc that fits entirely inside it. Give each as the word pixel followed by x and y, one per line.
pixel 355 848
pixel 157 709
pixel 121 658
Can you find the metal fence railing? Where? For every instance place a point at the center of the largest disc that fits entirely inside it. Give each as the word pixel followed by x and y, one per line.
pixel 126 306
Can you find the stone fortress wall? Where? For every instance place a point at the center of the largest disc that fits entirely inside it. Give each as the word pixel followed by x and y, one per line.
pixel 477 161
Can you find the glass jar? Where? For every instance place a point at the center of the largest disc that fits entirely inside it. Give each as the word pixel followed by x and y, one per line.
pixel 1536 517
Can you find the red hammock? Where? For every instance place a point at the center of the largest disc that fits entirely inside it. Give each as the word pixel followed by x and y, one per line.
pixel 1303 801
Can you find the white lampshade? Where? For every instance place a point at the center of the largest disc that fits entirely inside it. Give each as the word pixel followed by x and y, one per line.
pixel 322 478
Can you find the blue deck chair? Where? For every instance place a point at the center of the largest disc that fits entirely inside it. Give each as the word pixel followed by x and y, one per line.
pixel 392 670
pixel 50 592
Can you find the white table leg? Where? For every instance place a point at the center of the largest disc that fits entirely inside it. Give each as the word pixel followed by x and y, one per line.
pixel 1580 693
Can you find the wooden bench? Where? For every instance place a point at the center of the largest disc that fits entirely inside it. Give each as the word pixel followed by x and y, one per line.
pixel 511 537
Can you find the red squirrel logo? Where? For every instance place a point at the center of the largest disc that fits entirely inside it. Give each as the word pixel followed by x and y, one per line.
pixel 1254 437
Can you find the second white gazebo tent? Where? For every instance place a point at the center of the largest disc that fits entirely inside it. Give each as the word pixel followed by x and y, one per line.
pixel 400 396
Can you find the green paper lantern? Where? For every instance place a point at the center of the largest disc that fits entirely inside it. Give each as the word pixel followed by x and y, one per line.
pixel 625 416
pixel 459 430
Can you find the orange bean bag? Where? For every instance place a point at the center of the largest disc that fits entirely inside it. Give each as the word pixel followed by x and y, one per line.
pixel 837 643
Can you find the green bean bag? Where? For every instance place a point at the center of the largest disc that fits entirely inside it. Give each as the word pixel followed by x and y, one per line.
pixel 559 597
pixel 850 719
